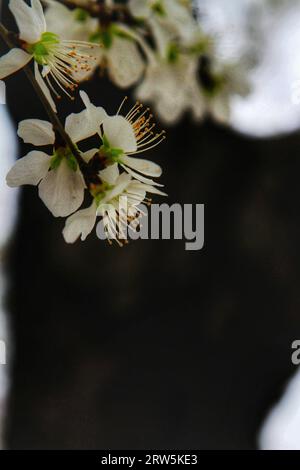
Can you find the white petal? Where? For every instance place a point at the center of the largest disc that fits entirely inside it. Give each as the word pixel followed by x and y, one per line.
pixel 161 36
pixel 83 125
pixel 125 63
pixel 220 109
pixel 29 170
pixel 146 167
pixel 136 185
pixel 13 61
pixel 121 184
pixel 62 21
pixel 87 156
pixel 62 191
pixel 30 20
pixel 80 224
pixel 139 8
pixel 43 87
pixel 110 174
pixel 59 19
pixel 36 132
pixel 120 134
pixel 92 62
pixel 141 178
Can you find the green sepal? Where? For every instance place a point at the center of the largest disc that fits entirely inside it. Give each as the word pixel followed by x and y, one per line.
pixel 199 48
pixel 158 8
pixel 40 50
pixel 81 15
pixel 55 161
pixel 112 153
pixel 72 162
pixel 173 53
pixel 99 192
pixel 59 155
pixel 104 37
pixel 116 31
pixel 51 38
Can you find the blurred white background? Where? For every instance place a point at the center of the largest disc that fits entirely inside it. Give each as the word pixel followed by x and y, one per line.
pixel 7 217
pixel 269 30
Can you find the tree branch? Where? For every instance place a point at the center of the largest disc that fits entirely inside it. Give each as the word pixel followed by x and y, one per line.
pixel 11 41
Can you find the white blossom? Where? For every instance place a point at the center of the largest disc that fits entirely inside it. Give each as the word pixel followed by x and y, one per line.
pixel 174 17
pixel 173 88
pixel 61 183
pixel 121 57
pixel 123 137
pixel 119 54
pixel 62 61
pixel 117 203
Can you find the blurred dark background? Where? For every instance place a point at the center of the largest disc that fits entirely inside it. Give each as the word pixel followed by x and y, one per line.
pixel 151 346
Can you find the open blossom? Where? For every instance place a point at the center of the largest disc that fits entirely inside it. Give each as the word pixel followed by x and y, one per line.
pixel 171 81
pixel 76 24
pixel 173 16
pixel 124 137
pixel 116 201
pixel 62 61
pixel 58 176
pixel 119 55
pixel 220 84
pixel 173 88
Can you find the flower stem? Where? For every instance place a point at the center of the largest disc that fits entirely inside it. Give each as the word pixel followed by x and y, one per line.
pixel 11 41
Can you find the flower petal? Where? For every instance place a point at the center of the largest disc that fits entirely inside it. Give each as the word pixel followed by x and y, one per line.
pixel 136 185
pixel 141 178
pixel 30 20
pixel 110 174
pixel 13 61
pixel 146 167
pixel 220 109
pixel 87 156
pixel 63 21
pixel 125 62
pixel 62 191
pixel 139 9
pixel 43 86
pixel 120 185
pixel 119 133
pixel 80 224
pixel 29 170
pixel 83 125
pixel 36 132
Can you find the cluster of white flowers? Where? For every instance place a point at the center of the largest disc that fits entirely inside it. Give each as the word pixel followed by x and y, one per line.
pixel 158 46
pixel 62 181
pixel 112 170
